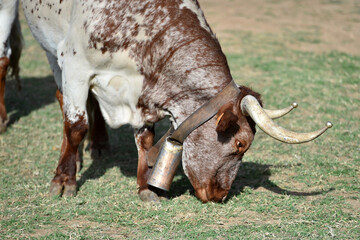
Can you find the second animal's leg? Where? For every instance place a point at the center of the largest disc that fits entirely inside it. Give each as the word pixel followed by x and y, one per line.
pixel 4 63
pixel 8 11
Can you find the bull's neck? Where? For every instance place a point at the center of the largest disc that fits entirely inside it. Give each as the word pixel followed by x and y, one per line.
pixel 190 76
pixel 188 80
pixel 201 72
pixel 183 65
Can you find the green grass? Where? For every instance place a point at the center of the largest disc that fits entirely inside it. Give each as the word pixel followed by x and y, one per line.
pixel 308 191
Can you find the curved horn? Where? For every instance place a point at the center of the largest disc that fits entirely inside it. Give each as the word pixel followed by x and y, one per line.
pixel 251 107
pixel 278 113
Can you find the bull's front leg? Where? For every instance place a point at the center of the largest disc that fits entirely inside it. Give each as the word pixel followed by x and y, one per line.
pixel 4 63
pixel 74 132
pixel 144 140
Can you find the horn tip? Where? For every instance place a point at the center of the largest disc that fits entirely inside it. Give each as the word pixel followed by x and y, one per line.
pixel 294 105
pixel 329 124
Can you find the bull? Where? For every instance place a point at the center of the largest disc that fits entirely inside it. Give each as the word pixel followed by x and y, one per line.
pixel 136 62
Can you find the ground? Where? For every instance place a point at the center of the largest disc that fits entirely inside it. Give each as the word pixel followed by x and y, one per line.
pixel 316 26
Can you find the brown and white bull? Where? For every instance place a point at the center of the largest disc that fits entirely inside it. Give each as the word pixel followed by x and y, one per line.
pixel 10 50
pixel 144 60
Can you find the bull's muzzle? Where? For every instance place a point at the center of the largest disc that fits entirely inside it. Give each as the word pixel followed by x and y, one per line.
pixel 166 164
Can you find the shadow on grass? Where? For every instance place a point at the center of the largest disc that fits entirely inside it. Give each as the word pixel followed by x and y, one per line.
pixel 255 175
pixel 35 94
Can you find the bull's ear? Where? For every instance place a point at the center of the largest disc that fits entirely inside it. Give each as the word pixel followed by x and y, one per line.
pixel 225 118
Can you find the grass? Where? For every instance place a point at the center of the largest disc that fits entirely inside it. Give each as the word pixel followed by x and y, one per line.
pixel 308 191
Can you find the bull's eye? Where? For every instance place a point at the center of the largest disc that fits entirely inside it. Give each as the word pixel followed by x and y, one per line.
pixel 238 144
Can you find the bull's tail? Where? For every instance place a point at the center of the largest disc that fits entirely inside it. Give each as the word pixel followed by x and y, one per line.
pixel 16 44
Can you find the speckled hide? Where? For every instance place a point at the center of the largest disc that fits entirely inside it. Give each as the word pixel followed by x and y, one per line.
pixel 143 60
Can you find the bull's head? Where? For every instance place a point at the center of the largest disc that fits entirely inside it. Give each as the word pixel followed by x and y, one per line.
pixel 213 152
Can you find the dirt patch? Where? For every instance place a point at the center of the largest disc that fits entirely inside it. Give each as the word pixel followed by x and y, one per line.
pixel 308 25
pixel 97 228
pixel 80 223
pixel 355 204
pixel 38 233
pixel 246 217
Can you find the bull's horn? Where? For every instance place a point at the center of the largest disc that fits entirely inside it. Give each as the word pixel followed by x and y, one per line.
pixel 273 114
pixel 251 107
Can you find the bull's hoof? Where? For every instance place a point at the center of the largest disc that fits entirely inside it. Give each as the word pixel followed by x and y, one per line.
pixel 55 189
pixel 69 191
pixel 148 196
